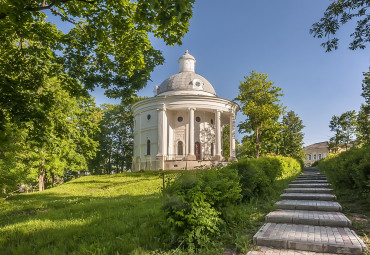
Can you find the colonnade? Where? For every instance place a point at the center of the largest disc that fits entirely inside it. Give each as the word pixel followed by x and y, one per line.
pixel 163 129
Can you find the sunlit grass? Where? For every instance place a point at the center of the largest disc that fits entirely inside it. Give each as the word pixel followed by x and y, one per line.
pixel 113 214
pixel 90 215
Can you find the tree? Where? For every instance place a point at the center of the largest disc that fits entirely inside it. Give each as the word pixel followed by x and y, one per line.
pixel 339 13
pixel 260 103
pixel 59 141
pixel 108 46
pixel 292 136
pixel 344 127
pixel 115 150
pixel 363 117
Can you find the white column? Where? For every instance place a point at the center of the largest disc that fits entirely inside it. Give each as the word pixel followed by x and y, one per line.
pixel 191 131
pixel 162 132
pixel 218 134
pixel 170 142
pixel 232 136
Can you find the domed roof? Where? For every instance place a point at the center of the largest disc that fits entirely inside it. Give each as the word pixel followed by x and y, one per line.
pixel 186 82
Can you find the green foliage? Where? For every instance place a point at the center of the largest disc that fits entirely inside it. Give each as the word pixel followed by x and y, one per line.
pixel 226 141
pixel 115 149
pixel 291 144
pixel 260 103
pixel 257 175
pixel 194 202
pixel 59 140
pixel 338 13
pixel 344 127
pixel 363 117
pixel 350 169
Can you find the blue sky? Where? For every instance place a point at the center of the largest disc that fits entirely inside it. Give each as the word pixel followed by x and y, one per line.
pixel 231 38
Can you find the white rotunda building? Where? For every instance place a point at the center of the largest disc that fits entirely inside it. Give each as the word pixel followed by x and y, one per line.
pixel 181 127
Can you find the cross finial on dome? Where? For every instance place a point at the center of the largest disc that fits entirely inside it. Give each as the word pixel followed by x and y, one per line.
pixel 187 62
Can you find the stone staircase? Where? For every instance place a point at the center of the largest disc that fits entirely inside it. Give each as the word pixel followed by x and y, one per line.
pixel 307 221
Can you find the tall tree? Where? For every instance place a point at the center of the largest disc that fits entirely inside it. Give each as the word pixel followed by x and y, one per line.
pixel 344 127
pixel 363 117
pixel 260 103
pixel 338 13
pixel 292 136
pixel 115 140
pixel 108 46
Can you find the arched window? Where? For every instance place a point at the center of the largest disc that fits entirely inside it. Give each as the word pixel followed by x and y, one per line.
pixel 180 150
pixel 148 147
pixel 212 149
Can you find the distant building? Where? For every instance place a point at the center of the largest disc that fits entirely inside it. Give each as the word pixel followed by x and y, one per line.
pixel 315 152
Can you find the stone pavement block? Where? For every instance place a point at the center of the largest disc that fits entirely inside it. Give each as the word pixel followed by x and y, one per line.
pixel 308 196
pixel 309 190
pixel 309 185
pixel 273 251
pixel 312 205
pixel 318 218
pixel 284 236
pixel 310 181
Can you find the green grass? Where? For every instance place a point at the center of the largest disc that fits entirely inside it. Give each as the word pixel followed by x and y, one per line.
pixel 91 215
pixel 114 214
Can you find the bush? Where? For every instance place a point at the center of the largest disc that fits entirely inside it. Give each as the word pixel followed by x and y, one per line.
pixel 256 175
pixel 350 169
pixel 194 202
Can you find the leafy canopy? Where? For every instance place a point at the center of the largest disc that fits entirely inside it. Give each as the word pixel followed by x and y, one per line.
pixel 338 13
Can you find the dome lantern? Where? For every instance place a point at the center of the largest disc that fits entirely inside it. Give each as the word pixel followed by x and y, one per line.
pixel 186 63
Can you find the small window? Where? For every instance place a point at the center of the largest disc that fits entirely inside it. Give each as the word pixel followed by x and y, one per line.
pixel 180 146
pixel 197 119
pixel 314 156
pixel 180 119
pixel 309 156
pixel 320 156
pixel 148 147
pixel 148 117
pixel 212 121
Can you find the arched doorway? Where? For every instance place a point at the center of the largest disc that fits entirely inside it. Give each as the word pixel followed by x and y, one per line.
pixel 180 147
pixel 197 151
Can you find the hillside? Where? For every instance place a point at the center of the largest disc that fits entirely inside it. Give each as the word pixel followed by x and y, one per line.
pixel 89 215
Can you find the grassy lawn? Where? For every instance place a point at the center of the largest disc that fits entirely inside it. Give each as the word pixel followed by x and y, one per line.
pixel 113 214
pixel 89 215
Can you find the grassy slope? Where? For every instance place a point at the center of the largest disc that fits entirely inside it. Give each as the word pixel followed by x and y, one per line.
pixel 117 214
pixel 90 215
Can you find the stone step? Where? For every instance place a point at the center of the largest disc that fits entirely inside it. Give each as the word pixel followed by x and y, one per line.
pixel 309 181
pixel 318 218
pixel 263 250
pixel 309 190
pixel 309 238
pixel 311 178
pixel 312 205
pixel 308 196
pixel 309 185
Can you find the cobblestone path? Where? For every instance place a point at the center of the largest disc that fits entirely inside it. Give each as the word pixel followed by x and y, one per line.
pixel 308 220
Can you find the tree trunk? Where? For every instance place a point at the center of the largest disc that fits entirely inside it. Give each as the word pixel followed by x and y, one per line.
pixel 257 143
pixel 42 176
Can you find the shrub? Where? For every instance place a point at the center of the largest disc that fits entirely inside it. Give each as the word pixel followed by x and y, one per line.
pixel 350 169
pixel 256 175
pixel 193 204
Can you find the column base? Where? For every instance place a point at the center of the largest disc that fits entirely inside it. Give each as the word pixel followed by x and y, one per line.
pixel 160 162
pixel 218 158
pixel 190 157
pixel 232 159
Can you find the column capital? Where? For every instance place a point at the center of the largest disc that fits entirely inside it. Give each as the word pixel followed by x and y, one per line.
pixel 192 108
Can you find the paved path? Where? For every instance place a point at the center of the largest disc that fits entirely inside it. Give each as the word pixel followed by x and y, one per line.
pixel 308 221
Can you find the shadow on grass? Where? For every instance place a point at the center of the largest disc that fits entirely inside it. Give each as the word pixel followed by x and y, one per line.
pixel 91 226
